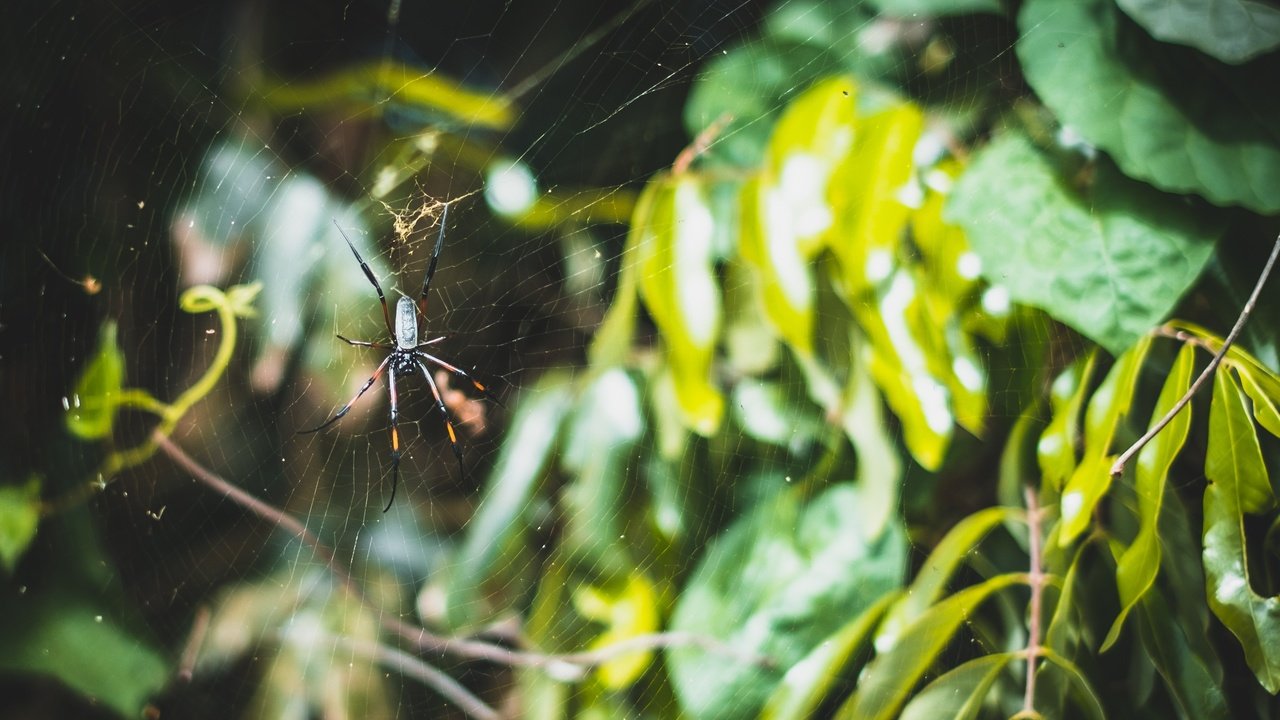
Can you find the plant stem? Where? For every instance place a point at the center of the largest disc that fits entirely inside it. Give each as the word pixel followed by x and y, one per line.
pixel 1127 455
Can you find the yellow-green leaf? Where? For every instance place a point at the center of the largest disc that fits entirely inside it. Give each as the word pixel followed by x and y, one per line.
pixel 97 393
pixel 1138 565
pixel 1092 478
pixel 630 613
pixel 19 516
pixel 1056 450
pixel 1238 485
pixel 679 287
pixel 959 693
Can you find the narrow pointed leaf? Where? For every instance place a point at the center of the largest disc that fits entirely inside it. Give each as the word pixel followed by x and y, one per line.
pixel 1137 567
pixel 889 679
pixel 1108 406
pixel 808 682
pixel 958 694
pixel 1056 450
pixel 1238 485
pixel 937 570
pixel 679 287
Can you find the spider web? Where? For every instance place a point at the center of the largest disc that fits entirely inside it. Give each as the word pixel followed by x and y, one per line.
pixel 142 165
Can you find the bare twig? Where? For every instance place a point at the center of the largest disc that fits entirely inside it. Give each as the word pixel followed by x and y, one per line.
pixel 259 508
pixel 425 640
pixel 564 663
pixel 1118 467
pixel 415 668
pixel 190 653
pixel 1037 580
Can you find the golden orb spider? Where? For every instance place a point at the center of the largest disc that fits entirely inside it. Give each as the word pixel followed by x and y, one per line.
pixel 405 357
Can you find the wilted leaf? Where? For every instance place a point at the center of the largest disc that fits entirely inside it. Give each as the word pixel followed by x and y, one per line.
pixel 1136 570
pixel 1110 262
pixel 1233 31
pixel 1238 485
pixel 775 584
pixel 1165 115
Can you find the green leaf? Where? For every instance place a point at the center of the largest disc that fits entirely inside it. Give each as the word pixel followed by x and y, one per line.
pixel 1111 262
pixel 1263 389
pixel 935 8
pixel 529 442
pixel 674 226
pixel 1238 485
pixel 959 693
pixel 879 462
pixel 808 682
pixel 1137 567
pixel 1187 674
pixel 72 622
pixel 889 679
pixel 1167 117
pixel 598 445
pixel 97 393
pixel 1084 694
pixel 776 583
pixel 936 572
pixel 787 210
pixel 1056 450
pixel 19 517
pixel 1233 31
pixel 770 414
pixel 1108 406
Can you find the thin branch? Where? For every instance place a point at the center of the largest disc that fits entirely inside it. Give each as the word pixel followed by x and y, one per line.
pixel 415 668
pixel 1249 304
pixel 425 640
pixel 565 666
pixel 257 507
pixel 1037 580
pixel 190 653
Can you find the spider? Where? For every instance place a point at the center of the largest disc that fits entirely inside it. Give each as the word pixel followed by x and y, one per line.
pixel 405 357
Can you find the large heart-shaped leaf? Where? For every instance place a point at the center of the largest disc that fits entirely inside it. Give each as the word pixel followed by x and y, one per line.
pixel 1165 115
pixel 1111 262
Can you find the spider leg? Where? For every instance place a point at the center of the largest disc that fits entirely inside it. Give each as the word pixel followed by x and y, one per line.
pixel 431 269
pixel 395 436
pixel 386 314
pixel 444 413
pixel 365 343
pixel 432 341
pixel 345 408
pixel 462 373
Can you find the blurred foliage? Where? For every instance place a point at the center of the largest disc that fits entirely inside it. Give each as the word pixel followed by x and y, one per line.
pixel 847 427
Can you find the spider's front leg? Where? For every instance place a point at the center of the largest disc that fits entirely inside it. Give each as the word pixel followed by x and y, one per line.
pixel 346 408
